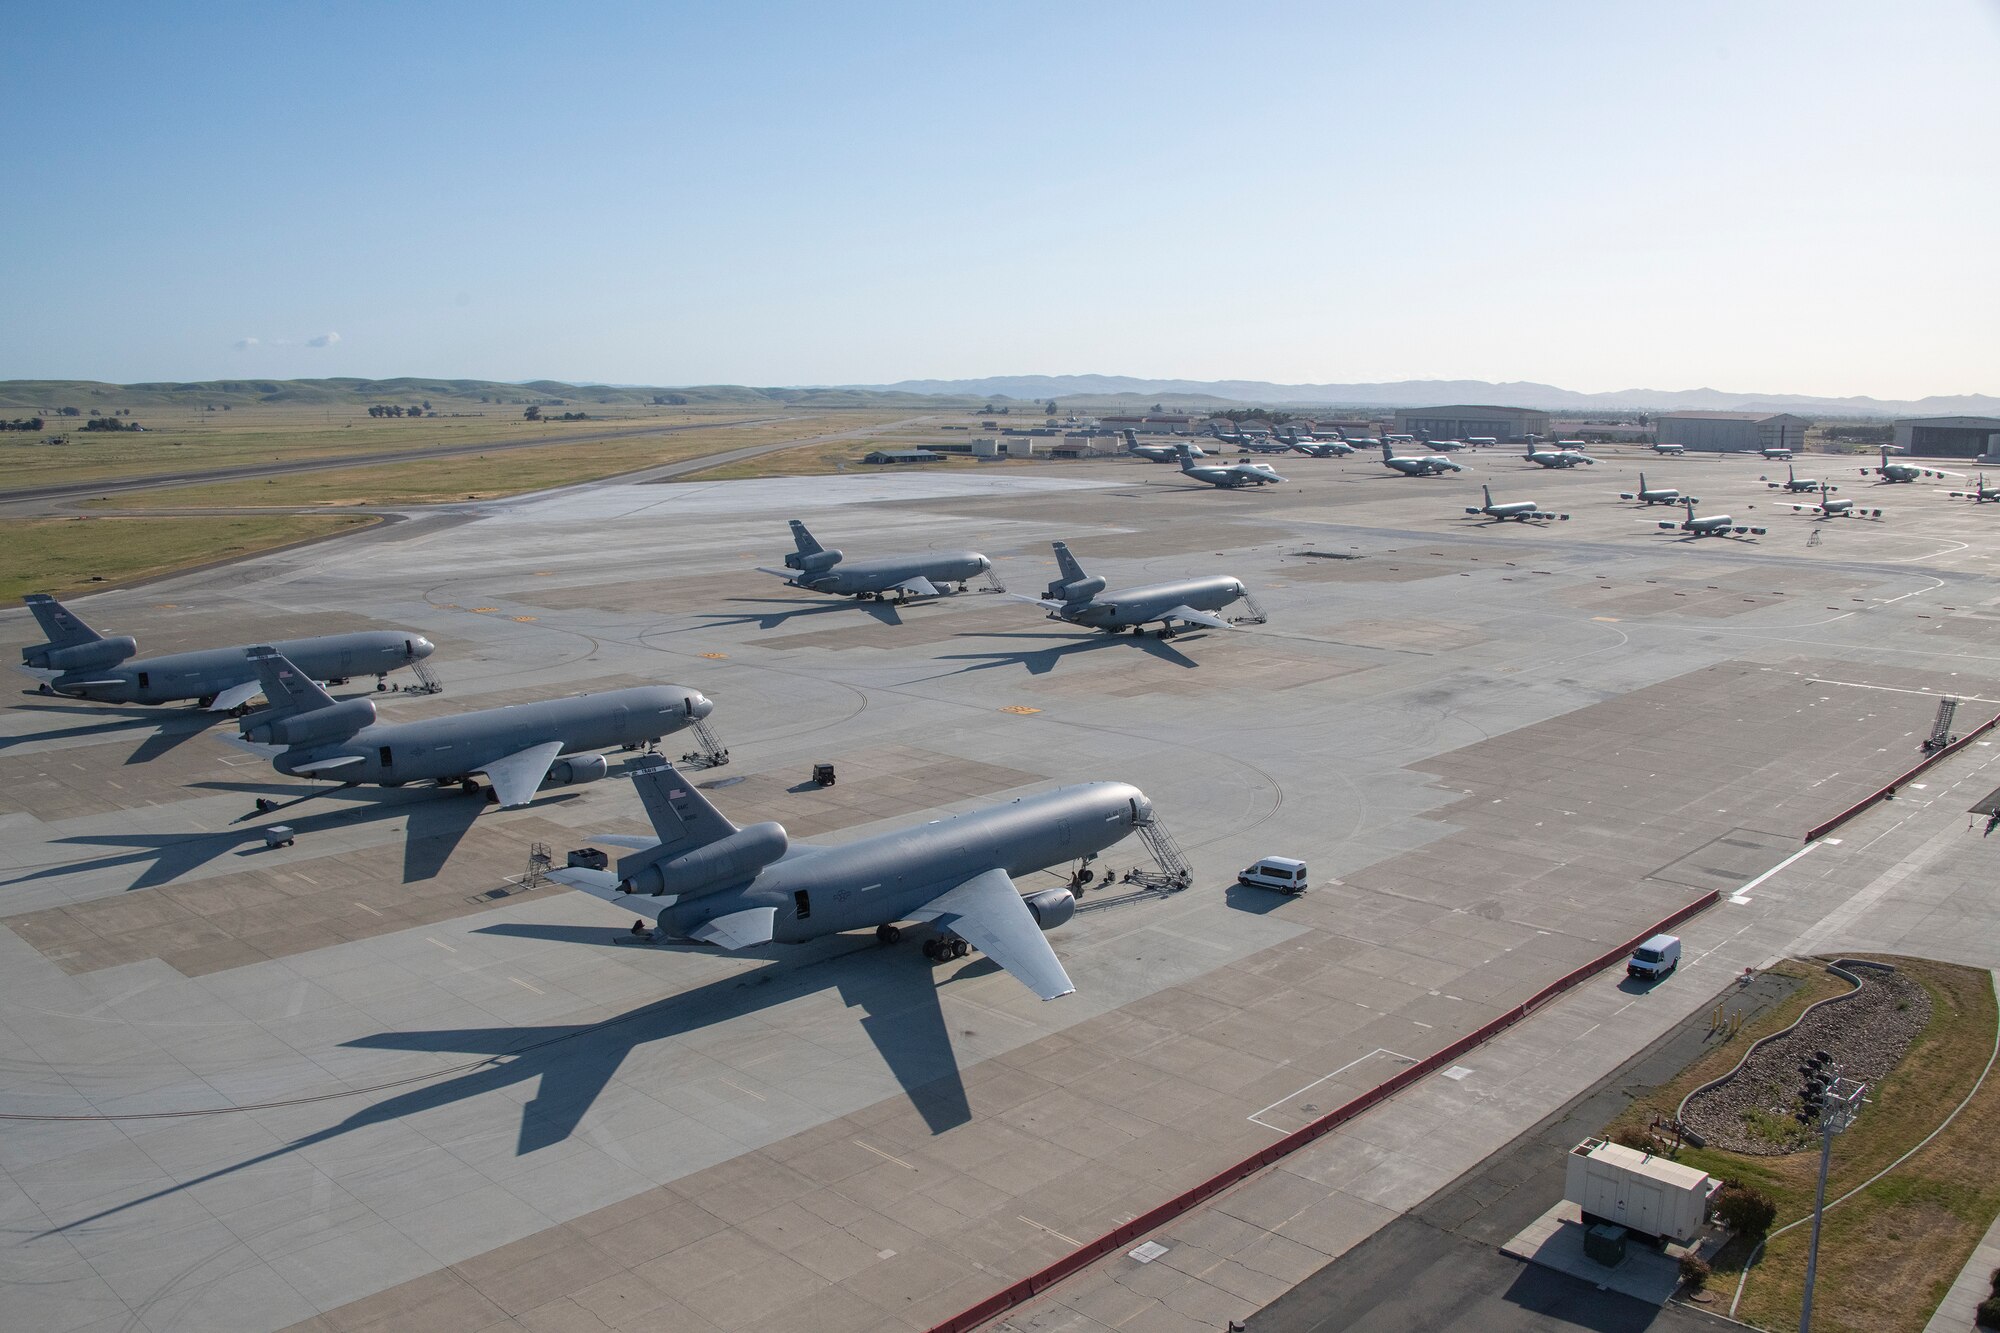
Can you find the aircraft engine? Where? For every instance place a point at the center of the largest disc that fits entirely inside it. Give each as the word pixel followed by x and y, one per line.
pixel 1052 907
pixel 726 861
pixel 577 768
pixel 1083 589
pixel 818 562
pixel 321 724
pixel 97 655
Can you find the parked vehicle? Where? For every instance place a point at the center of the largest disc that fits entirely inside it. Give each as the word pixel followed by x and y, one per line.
pixel 1655 958
pixel 1275 872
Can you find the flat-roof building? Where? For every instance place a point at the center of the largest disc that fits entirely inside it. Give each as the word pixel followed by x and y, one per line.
pixel 1732 432
pixel 1457 422
pixel 902 456
pixel 1948 437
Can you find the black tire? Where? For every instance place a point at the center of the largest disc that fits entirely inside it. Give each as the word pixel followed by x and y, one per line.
pixel 959 948
pixel 888 934
pixel 931 950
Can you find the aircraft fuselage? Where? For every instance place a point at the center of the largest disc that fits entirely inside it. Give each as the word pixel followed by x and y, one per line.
pixel 885 573
pixel 1149 604
pixel 210 671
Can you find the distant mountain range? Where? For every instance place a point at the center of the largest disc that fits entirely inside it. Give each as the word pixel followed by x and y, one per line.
pixel 1071 390
pixel 1419 393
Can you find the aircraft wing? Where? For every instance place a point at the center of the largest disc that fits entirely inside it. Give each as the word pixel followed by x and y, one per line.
pixel 1195 617
pixel 258 748
pixel 236 695
pixel 518 777
pixel 919 587
pixel 987 912
pixel 1036 601
pixel 752 926
pixel 318 766
pixel 786 574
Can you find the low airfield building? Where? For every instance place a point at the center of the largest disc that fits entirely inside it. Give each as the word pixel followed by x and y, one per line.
pixel 902 456
pixel 1461 422
pixel 1949 437
pixel 1732 432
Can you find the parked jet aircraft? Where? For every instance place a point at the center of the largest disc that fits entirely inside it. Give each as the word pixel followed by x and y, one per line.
pixel 1979 493
pixel 1074 597
pixel 1794 482
pixel 1777 453
pixel 1669 449
pixel 1447 446
pixel 1558 457
pixel 80 662
pixel 1661 495
pixel 1160 453
pixel 1312 448
pixel 1905 471
pixel 918 573
pixel 1828 507
pixel 1227 475
pixel 1709 525
pixel 519 747
pixel 1522 511
pixel 1420 465
pixel 706 880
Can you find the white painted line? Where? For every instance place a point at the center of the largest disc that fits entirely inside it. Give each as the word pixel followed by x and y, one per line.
pixel 1067 1240
pixel 745 1091
pixel 1897 689
pixel 1379 1050
pixel 441 944
pixel 1742 895
pixel 525 986
pixel 366 908
pixel 879 1153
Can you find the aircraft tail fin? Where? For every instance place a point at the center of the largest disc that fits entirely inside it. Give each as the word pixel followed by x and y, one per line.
pixel 682 817
pixel 62 625
pixel 1131 439
pixel 1072 572
pixel 804 540
pixel 289 690
pixel 1642 482
pixel 1487 491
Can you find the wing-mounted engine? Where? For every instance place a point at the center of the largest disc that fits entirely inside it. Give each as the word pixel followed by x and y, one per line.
pixel 1051 907
pixel 731 859
pixel 576 769
pixel 335 722
pixel 97 655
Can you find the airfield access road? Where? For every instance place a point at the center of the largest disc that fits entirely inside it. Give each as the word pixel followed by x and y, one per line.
pixel 1501 750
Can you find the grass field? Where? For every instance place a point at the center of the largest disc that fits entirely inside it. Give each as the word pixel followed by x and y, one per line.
pixel 482 476
pixel 178 440
pixel 68 555
pixel 1888 1255
pixel 842 456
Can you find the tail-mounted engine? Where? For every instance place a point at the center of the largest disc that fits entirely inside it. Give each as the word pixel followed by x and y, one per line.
pixel 815 563
pixel 321 724
pixel 97 655
pixel 1082 590
pixel 728 860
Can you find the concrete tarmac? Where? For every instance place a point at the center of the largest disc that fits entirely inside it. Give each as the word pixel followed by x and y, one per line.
pixel 1501 749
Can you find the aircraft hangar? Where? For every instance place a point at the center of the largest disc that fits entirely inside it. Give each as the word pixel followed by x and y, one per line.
pixel 389 1076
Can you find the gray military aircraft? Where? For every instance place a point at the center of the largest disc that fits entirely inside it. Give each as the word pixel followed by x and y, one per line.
pixel 1709 525
pixel 819 569
pixel 1561 456
pixel 1521 511
pixel 1980 492
pixel 1074 597
pixel 1777 453
pixel 1159 453
pixel 1657 495
pixel 519 747
pixel 1793 482
pixel 1905 471
pixel 705 880
pixel 1315 448
pixel 83 664
pixel 1669 450
pixel 1229 476
pixel 1418 465
pixel 1828 507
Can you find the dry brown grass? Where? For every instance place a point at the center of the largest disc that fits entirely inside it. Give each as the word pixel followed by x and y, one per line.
pixel 69 555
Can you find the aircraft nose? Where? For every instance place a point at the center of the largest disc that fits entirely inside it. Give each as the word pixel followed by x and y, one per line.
pixel 699 706
pixel 1141 807
pixel 422 647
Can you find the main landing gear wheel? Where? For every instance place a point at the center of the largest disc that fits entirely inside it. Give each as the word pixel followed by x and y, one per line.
pixel 206 701
pixel 468 785
pixel 939 951
pixel 887 934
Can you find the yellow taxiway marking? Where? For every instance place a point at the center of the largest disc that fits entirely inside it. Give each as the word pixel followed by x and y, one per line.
pixel 1067 1240
pixel 879 1153
pixel 166 606
pixel 1020 709
pixel 441 944
pixel 525 986
pixel 524 619
pixel 1608 620
pixel 745 1091
pixel 715 657
pixel 484 609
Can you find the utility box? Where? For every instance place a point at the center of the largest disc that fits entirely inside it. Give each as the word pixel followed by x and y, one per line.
pixel 588 858
pixel 1605 1244
pixel 278 835
pixel 1638 1191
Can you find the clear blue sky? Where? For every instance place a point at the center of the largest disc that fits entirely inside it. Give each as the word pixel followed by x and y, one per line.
pixel 1783 197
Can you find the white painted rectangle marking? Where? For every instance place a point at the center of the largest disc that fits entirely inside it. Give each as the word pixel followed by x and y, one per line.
pixel 1148 1252
pixel 1457 1073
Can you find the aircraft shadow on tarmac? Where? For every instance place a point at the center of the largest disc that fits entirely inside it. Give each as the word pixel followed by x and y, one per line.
pixel 1041 661
pixel 896 995
pixel 438 822
pixel 883 611
pixel 165 730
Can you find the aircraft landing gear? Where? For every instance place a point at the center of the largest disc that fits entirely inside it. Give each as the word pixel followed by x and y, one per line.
pixel 206 701
pixel 941 950
pixel 468 785
pixel 887 934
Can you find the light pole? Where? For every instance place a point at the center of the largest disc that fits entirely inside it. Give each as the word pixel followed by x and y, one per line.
pixel 1841 1104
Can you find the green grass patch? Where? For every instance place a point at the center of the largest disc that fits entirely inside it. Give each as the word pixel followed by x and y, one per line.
pixel 70 555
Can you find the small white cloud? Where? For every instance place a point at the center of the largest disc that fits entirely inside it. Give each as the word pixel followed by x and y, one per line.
pixel 323 340
pixel 245 343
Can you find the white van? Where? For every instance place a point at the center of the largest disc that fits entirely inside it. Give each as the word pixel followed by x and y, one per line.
pixel 1276 872
pixel 1655 958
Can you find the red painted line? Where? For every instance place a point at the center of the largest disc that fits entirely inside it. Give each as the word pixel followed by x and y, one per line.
pixel 1083 1256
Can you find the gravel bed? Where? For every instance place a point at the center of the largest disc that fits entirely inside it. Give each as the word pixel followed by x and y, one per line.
pixel 1866 1035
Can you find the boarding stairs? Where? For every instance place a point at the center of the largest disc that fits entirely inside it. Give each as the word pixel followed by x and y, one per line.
pixel 427 680
pixel 993 583
pixel 711 754
pixel 1256 616
pixel 1941 726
